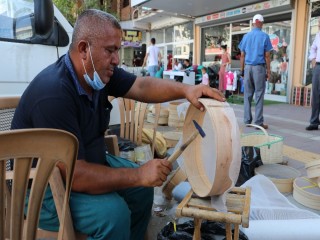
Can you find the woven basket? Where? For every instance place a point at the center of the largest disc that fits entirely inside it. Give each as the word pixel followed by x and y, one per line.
pixel 270 145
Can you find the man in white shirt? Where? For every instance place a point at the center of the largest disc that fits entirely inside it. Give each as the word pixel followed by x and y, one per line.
pixel 153 56
pixel 314 57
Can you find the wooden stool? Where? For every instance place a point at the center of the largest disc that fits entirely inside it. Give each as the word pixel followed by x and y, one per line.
pixel 238 206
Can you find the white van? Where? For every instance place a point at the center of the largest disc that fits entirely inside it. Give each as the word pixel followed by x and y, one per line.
pixel 33 34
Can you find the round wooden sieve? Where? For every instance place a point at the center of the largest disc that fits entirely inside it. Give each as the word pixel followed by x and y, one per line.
pixel 212 163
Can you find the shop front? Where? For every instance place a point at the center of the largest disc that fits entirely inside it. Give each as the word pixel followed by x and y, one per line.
pixel 229 27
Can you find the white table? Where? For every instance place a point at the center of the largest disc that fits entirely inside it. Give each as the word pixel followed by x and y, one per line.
pixel 188 78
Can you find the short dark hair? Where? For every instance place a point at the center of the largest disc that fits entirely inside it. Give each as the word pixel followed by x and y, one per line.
pixel 89 25
pixel 153 40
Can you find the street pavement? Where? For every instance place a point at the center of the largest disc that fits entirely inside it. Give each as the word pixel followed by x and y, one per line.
pixel 288 121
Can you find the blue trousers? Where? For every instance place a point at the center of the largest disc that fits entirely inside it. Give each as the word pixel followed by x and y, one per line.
pixel 153 70
pixel 118 215
pixel 254 83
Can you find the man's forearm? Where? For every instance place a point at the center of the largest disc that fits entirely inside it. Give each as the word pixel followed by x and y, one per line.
pixel 153 90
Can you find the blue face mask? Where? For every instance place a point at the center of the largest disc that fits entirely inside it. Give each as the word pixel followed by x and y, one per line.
pixel 96 83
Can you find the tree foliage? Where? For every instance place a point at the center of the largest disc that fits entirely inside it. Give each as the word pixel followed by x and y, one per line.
pixel 72 8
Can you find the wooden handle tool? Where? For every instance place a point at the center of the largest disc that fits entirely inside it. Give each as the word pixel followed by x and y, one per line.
pixel 178 152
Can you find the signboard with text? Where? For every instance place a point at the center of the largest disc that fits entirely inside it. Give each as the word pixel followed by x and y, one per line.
pixel 131 38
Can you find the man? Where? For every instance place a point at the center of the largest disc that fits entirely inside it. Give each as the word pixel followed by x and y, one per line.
pixel 255 64
pixel 111 197
pixel 314 57
pixel 153 57
pixel 186 64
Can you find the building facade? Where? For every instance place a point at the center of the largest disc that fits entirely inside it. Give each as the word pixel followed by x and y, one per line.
pixel 291 25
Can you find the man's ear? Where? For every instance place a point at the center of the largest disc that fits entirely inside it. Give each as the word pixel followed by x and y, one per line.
pixel 83 49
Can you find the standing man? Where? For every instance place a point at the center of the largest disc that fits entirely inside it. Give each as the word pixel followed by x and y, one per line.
pixel 111 197
pixel 255 64
pixel 314 57
pixel 153 57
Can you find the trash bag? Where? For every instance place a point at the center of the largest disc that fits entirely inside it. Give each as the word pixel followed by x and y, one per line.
pixel 209 231
pixel 250 159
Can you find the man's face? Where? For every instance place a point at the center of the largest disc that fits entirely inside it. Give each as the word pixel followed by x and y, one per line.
pixel 105 53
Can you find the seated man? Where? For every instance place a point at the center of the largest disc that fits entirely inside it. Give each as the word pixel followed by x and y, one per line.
pixel 111 197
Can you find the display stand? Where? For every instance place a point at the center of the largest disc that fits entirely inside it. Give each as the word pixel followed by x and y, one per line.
pixel 238 207
pixel 188 77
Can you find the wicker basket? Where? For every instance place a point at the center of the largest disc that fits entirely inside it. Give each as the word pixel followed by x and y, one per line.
pixel 270 145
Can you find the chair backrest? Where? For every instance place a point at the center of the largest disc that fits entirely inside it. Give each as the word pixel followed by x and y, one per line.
pixel 7 107
pixel 49 147
pixel 132 117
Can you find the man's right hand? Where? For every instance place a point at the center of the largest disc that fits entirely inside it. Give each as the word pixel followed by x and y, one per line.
pixel 154 172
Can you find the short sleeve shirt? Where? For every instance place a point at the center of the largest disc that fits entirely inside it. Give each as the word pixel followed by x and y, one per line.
pixel 54 100
pixel 254 44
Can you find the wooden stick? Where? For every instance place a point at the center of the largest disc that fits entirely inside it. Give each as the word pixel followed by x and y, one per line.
pixel 178 152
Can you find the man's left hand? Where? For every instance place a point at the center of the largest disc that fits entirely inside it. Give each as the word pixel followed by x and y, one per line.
pixel 193 93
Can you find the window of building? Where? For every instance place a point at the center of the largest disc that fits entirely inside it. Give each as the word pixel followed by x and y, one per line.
pixel 211 40
pixel 125 3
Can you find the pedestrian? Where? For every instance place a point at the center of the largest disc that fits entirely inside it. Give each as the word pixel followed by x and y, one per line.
pixel 255 66
pixel 205 76
pixel 314 57
pixel 153 57
pixel 225 61
pixel 111 197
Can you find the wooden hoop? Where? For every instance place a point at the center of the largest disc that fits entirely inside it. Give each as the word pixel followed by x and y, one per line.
pixel 224 148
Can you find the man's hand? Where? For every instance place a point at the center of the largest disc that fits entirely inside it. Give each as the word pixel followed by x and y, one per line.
pixel 313 63
pixel 154 172
pixel 193 93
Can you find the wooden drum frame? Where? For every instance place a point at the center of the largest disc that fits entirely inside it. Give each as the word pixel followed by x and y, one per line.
pixel 226 149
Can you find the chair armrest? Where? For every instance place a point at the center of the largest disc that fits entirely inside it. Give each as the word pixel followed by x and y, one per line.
pixel 111 142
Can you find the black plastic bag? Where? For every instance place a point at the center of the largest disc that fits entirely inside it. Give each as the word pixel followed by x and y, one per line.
pixel 209 231
pixel 249 161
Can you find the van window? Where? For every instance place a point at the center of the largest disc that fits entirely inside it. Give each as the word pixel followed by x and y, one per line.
pixel 16 19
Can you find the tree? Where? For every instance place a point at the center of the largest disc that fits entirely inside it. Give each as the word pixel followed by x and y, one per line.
pixel 72 8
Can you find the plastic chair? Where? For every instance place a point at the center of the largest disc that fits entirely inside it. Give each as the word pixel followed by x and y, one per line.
pixel 49 147
pixel 7 109
pixel 132 116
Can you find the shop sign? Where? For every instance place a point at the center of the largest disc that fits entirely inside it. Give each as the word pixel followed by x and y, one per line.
pixel 131 38
pixel 213 51
pixel 246 9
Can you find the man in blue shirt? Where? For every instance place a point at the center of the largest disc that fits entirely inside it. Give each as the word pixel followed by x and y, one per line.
pixel 255 65
pixel 111 197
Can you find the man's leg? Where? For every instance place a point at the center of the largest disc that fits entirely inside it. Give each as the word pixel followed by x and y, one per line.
pixel 152 70
pixel 104 216
pixel 248 94
pixel 314 119
pixel 259 78
pixel 139 200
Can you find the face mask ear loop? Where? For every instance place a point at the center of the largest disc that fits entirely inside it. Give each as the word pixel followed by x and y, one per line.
pixel 91 57
pixel 84 66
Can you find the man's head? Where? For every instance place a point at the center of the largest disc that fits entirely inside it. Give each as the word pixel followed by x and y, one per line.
pixel 96 34
pixel 258 20
pixel 153 41
pixel 186 62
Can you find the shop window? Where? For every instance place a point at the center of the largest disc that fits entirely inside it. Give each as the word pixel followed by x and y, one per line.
pixel 279 33
pixel 158 35
pixel 212 38
pixel 183 32
pixel 169 34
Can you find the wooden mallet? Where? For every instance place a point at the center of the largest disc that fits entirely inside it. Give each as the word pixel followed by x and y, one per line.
pixel 178 152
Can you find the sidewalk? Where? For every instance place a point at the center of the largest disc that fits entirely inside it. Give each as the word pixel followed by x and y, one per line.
pixel 300 146
pixel 288 121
